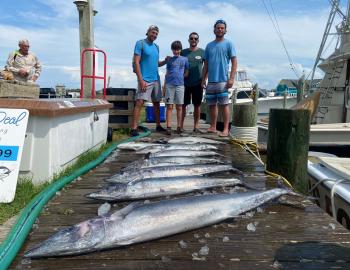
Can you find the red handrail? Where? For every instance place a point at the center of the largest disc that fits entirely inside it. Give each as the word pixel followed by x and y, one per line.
pixel 93 76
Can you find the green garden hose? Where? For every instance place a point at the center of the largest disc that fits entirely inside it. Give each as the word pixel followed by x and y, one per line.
pixel 18 234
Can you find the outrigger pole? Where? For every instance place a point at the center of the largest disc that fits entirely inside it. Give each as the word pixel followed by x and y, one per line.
pixel 334 10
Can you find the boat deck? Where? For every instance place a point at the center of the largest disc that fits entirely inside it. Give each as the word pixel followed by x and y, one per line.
pixel 277 236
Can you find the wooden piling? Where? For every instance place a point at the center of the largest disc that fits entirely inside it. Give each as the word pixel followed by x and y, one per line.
pixel 288 144
pixel 285 94
pixel 244 115
pixel 300 88
pixel 244 120
pixel 256 95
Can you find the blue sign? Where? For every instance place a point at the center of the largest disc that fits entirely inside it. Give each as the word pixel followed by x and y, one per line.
pixel 8 153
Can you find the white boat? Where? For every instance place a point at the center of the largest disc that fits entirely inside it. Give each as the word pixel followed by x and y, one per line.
pixel 241 93
pixel 331 125
pixel 329 180
pixel 321 135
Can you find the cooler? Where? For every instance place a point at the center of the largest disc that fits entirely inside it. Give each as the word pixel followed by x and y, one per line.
pixel 150 115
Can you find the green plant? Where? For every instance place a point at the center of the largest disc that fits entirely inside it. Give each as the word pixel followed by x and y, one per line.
pixel 26 190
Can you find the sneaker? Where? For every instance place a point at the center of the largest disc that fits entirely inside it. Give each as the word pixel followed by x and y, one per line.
pixel 160 129
pixel 179 130
pixel 168 131
pixel 134 133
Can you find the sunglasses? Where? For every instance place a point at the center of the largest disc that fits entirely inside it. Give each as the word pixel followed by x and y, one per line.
pixel 193 38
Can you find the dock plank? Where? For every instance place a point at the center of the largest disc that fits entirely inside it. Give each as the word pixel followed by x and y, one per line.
pixel 285 237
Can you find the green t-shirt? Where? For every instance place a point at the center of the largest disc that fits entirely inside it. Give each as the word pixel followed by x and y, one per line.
pixel 195 59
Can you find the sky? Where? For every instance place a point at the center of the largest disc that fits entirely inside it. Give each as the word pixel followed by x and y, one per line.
pixel 52 28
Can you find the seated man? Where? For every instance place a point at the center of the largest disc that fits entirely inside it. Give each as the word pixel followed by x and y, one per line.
pixel 24 65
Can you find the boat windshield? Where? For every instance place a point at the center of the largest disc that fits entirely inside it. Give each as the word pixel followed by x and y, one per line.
pixel 247 94
pixel 242 76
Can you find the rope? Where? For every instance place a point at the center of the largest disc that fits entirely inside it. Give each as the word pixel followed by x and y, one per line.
pixel 245 134
pixel 332 195
pixel 246 138
pixel 336 182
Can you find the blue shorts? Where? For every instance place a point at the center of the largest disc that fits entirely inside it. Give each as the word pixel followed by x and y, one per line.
pixel 217 93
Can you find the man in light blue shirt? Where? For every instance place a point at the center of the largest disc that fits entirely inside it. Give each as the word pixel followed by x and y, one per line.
pixel 218 55
pixel 145 65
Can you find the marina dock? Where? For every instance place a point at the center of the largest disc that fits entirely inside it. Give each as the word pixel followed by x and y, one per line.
pixel 294 235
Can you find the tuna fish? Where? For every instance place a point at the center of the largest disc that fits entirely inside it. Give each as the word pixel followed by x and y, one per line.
pixel 168 161
pixel 157 187
pixel 192 140
pixel 143 222
pixel 170 171
pixel 184 153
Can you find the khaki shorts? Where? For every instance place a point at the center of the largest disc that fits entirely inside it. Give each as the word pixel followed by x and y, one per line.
pixel 153 92
pixel 174 94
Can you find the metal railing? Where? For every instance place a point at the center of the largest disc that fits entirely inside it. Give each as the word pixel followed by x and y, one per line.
pixel 93 76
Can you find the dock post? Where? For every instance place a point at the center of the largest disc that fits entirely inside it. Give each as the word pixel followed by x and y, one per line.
pixel 86 37
pixel 288 144
pixel 285 94
pixel 256 95
pixel 300 88
pixel 244 122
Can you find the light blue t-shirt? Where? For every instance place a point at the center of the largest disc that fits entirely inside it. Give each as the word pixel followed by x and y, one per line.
pixel 176 67
pixel 149 59
pixel 218 55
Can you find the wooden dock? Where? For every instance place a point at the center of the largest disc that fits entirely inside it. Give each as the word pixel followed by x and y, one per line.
pixel 274 237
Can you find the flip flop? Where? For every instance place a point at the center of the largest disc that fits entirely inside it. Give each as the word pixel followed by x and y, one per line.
pixel 196 130
pixel 213 132
pixel 221 134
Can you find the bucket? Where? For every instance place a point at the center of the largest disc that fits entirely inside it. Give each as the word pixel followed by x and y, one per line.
pixel 150 115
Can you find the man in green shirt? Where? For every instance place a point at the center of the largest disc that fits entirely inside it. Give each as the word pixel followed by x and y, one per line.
pixel 193 87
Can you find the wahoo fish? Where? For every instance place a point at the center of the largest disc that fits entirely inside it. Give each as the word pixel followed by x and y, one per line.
pixel 135 146
pixel 168 161
pixel 171 171
pixel 157 187
pixel 184 153
pixel 193 140
pixel 185 147
pixel 140 222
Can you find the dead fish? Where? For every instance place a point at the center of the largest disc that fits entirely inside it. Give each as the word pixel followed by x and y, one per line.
pixel 184 147
pixel 184 153
pixel 136 146
pixel 169 171
pixel 192 140
pixel 158 187
pixel 139 222
pixel 168 161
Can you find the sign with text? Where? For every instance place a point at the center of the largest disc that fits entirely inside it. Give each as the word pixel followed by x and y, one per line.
pixel 13 125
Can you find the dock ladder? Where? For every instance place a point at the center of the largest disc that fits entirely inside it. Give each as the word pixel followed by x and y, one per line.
pixel 327 91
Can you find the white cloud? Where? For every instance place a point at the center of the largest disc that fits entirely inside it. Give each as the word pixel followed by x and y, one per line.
pixel 119 24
